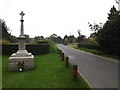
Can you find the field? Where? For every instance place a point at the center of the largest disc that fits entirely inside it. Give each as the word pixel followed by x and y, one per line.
pixel 49 72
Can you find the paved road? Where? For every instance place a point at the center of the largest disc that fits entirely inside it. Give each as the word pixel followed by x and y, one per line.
pixel 99 72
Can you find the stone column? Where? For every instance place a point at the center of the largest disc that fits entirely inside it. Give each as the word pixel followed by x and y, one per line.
pixel 21 57
pixel 22 39
pixel 22 27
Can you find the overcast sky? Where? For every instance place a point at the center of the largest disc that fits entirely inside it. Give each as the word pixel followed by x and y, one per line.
pixel 45 17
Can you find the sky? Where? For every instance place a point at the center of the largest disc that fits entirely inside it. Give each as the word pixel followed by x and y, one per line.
pixel 62 17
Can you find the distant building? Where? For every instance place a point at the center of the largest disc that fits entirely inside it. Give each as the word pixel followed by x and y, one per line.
pixel 32 40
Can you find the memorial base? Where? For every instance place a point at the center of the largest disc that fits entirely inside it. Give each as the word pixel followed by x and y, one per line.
pixel 21 60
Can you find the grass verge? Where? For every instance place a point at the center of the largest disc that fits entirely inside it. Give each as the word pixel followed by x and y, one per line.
pixel 49 72
pixel 94 51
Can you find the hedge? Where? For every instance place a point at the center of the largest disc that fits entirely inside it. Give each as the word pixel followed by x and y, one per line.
pixel 35 49
pixel 88 46
pixel 42 42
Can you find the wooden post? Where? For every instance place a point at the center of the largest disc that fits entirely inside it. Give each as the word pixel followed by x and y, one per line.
pixel 67 62
pixel 75 72
pixel 62 56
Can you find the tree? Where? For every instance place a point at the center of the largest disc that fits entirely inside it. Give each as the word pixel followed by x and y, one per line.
pixel 27 38
pixel 80 37
pixel 4 30
pixel 36 38
pixel 79 33
pixel 56 38
pixel 113 13
pixel 59 39
pixel 65 39
pixel 108 37
pixel 95 28
pixel 5 33
pixel 70 38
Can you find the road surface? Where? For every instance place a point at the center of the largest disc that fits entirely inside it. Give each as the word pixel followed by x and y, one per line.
pixel 99 72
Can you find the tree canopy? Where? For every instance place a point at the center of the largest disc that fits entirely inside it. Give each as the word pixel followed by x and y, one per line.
pixel 5 32
pixel 108 36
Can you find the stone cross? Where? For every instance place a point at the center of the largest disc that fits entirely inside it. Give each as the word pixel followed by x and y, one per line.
pixel 22 14
pixel 22 28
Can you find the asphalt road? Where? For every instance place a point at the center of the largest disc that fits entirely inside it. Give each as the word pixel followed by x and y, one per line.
pixel 99 72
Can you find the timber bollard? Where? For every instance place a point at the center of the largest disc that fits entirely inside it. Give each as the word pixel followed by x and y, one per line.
pixel 67 62
pixel 62 56
pixel 75 72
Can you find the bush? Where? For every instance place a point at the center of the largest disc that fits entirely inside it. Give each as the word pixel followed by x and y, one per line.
pixel 8 49
pixel 42 42
pixel 53 47
pixel 38 48
pixel 35 49
pixel 89 45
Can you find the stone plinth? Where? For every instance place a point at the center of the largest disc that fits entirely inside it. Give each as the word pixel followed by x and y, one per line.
pixel 21 56
pixel 16 58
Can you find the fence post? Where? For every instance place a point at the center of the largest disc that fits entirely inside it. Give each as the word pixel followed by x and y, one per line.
pixel 67 61
pixel 62 56
pixel 75 72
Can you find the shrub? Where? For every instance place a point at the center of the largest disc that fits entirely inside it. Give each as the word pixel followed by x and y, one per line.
pixel 38 48
pixel 8 49
pixel 42 42
pixel 53 47
pixel 89 45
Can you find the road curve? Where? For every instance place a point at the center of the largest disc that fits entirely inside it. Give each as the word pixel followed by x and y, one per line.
pixel 100 72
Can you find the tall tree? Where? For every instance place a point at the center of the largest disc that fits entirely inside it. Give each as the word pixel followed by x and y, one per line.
pixel 109 36
pixel 113 13
pixel 56 38
pixel 5 32
pixel 65 39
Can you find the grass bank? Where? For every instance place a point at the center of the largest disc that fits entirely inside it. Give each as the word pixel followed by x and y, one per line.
pixel 94 51
pixel 49 72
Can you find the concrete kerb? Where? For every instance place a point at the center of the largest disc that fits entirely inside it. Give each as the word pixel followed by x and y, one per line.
pixel 81 75
pixel 79 72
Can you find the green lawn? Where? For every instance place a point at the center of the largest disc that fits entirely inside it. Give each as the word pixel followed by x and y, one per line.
pixel 49 72
pixel 0 71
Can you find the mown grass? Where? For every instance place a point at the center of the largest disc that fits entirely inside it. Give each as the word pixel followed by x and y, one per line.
pixel 0 71
pixel 49 72
pixel 94 51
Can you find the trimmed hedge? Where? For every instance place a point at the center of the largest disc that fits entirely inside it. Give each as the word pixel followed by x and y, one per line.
pixel 35 49
pixel 42 42
pixel 88 46
pixel 38 49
